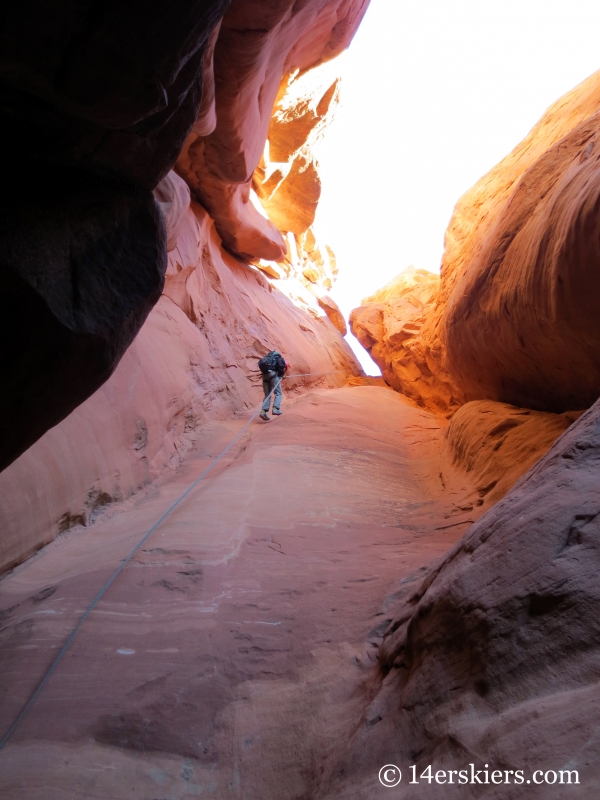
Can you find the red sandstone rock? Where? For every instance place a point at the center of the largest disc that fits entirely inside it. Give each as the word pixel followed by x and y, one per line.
pixel 494 657
pixel 388 326
pixel 235 654
pixel 515 319
pixel 258 45
pixel 193 362
pixel 118 93
pixel 493 445
pixel 521 323
pixel 287 179
pixel 173 196
pixel 331 308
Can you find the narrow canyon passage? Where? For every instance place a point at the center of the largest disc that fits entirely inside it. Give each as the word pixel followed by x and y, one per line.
pixel 236 655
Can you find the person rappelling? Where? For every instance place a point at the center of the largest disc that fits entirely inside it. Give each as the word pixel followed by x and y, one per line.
pixel 273 367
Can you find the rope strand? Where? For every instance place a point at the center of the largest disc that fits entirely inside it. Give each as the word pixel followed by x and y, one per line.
pixel 126 561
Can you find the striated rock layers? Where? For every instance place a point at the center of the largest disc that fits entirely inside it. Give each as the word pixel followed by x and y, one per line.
pixel 258 45
pixel 492 445
pixel 515 319
pixel 494 658
pixel 193 362
pixel 96 107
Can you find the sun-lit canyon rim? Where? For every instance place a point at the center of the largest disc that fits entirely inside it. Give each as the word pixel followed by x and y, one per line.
pixel 400 570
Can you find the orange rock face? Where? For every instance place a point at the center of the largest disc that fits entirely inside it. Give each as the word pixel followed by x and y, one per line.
pixel 193 362
pixel 257 46
pixel 388 325
pixel 515 318
pixel 492 658
pixel 493 444
pixel 520 274
pixel 287 179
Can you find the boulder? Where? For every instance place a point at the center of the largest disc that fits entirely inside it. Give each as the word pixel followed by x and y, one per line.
pixel 388 325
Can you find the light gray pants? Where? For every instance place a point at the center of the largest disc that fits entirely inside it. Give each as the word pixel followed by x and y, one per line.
pixel 271 382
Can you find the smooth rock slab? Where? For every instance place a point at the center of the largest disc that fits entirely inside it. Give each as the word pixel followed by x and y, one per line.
pixel 254 613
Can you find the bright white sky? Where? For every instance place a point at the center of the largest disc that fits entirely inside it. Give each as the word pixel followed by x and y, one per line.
pixel 434 94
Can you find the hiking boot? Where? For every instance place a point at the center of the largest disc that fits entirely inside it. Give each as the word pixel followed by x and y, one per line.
pixel 277 412
pixel 263 415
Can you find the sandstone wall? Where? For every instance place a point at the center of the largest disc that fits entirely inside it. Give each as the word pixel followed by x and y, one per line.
pixel 193 361
pixel 97 105
pixel 83 263
pixel 515 318
pixel 258 45
pixel 493 658
pixel 492 445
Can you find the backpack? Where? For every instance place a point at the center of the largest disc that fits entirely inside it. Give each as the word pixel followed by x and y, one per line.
pixel 272 362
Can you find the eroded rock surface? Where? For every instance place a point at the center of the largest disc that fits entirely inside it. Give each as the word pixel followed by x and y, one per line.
pixel 257 46
pixel 494 444
pixel 494 658
pixel 108 99
pixel 515 316
pixel 236 652
pixel 520 323
pixel 193 362
pixel 388 325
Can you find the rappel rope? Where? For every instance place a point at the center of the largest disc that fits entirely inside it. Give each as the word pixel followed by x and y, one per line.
pixel 126 561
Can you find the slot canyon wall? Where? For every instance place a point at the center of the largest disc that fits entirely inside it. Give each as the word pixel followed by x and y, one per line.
pixel 156 240
pixel 144 146
pixel 494 656
pixel 513 315
pixel 509 326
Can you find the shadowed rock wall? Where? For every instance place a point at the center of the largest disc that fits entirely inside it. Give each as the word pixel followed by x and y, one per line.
pixel 494 657
pixel 96 104
pixel 193 362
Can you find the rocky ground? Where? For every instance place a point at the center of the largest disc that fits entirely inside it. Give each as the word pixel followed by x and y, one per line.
pixel 237 654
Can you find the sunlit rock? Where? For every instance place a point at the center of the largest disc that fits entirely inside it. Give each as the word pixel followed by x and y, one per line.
pixel 515 317
pixel 388 325
pixel 193 362
pixel 257 46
